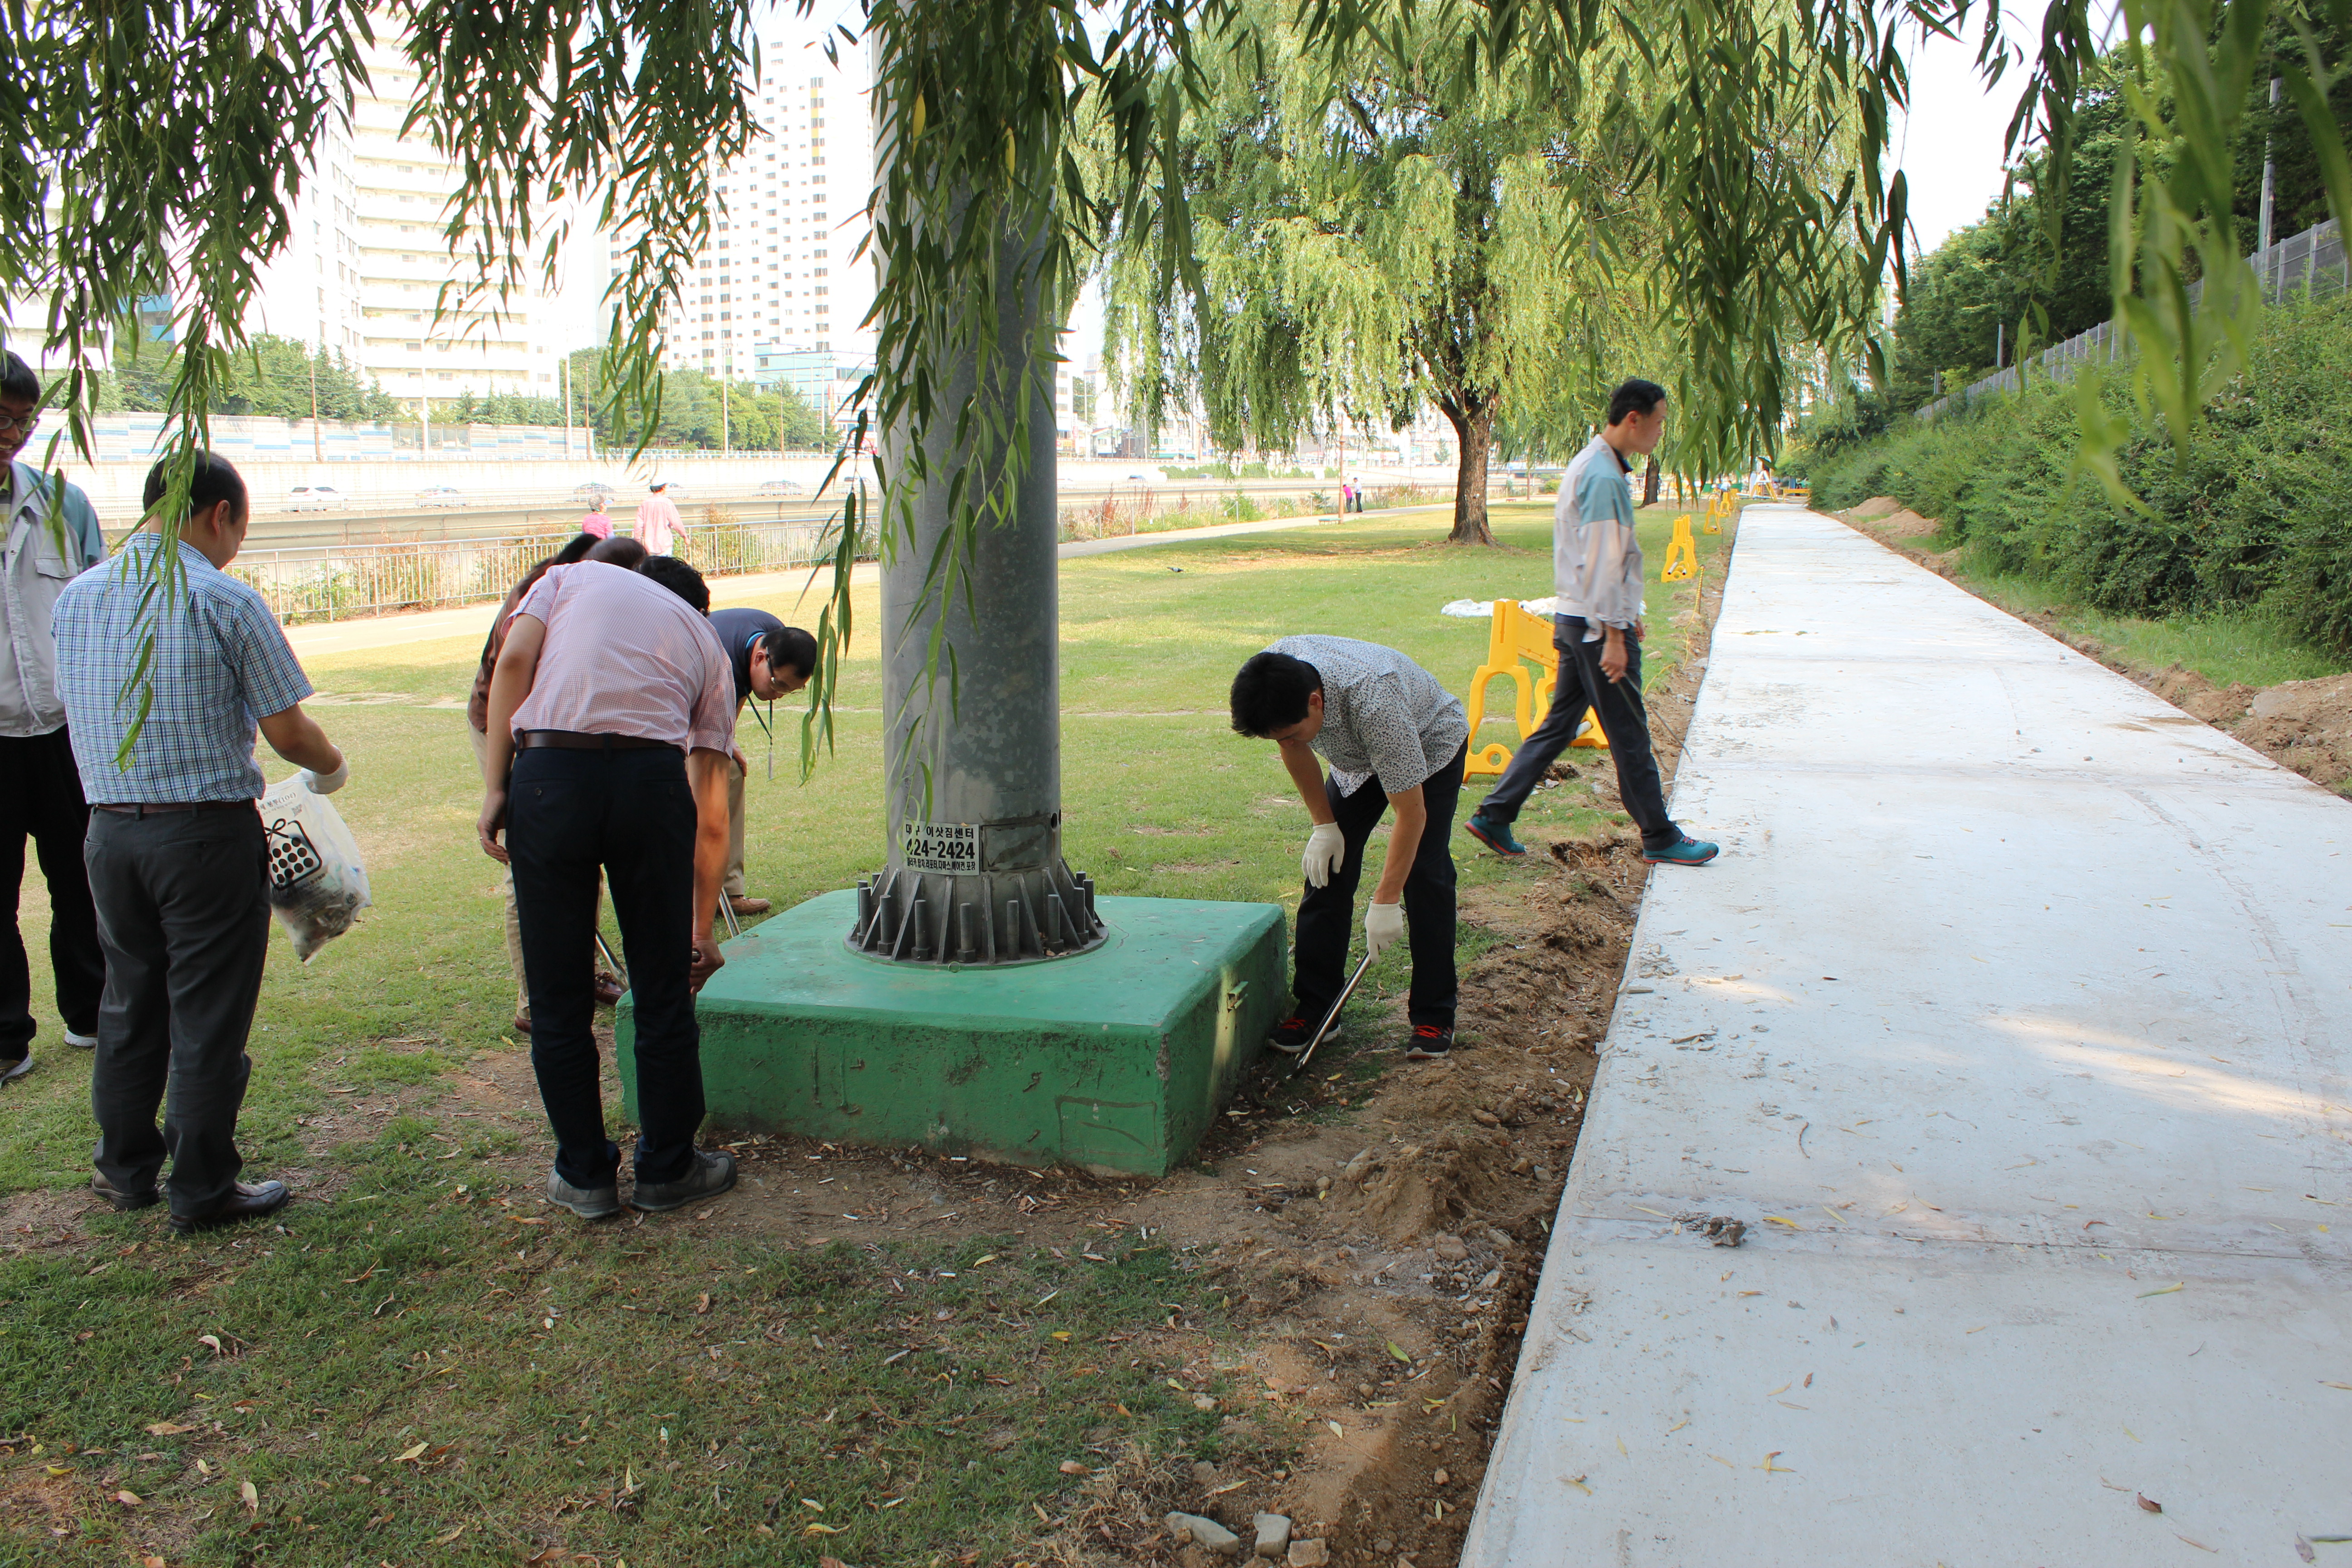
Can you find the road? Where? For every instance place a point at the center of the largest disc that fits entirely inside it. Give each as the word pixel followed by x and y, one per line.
pixel 2014 1023
pixel 340 528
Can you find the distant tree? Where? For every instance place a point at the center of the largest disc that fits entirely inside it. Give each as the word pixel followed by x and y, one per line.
pixel 272 377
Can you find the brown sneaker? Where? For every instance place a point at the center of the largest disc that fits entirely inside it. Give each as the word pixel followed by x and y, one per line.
pixel 744 905
pixel 522 1022
pixel 609 990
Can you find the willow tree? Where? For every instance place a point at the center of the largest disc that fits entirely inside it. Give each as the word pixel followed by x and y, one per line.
pixel 1367 244
pixel 158 146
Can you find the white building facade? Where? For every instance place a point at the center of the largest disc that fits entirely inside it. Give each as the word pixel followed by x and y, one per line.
pixel 782 273
pixel 364 272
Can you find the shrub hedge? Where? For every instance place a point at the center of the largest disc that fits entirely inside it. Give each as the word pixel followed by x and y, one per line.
pixel 2254 518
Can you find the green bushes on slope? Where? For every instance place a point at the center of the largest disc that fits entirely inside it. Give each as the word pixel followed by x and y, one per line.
pixel 2256 518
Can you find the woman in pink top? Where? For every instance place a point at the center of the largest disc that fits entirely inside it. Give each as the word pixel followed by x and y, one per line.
pixel 598 521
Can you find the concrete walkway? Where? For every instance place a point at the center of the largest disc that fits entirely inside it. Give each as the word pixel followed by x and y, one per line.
pixel 473 621
pixel 2015 1023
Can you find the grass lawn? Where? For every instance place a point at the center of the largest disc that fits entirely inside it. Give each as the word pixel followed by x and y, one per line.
pixel 421 1361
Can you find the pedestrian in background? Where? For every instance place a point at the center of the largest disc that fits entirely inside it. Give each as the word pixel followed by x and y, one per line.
pixel 178 861
pixel 1597 631
pixel 658 518
pixel 48 535
pixel 477 718
pixel 598 523
pixel 611 716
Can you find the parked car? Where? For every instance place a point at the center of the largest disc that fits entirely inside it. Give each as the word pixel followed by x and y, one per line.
pixel 593 494
pixel 316 498
pixel 440 495
pixel 1139 478
pixel 783 487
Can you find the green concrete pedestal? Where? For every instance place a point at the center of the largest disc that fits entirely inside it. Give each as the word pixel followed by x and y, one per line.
pixel 1116 1059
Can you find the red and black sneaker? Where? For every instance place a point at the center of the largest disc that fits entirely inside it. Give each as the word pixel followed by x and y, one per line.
pixel 1293 1035
pixel 1430 1043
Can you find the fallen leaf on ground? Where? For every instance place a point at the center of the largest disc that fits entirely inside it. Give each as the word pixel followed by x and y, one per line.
pixel 166 1429
pixel 2144 1503
pixel 1398 1353
pixel 821 1530
pixel 411 1454
pixel 702 1303
pixel 251 1496
pixel 130 1499
pixel 2167 1290
pixel 1072 1467
pixel 447 1536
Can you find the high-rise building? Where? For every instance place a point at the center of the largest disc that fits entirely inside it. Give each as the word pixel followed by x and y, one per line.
pixel 369 254
pixel 781 273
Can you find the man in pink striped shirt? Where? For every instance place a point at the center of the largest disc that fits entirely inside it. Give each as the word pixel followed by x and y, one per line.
pixel 612 726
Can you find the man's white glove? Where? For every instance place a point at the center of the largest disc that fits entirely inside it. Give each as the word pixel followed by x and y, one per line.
pixel 328 784
pixel 1326 847
pixel 1383 927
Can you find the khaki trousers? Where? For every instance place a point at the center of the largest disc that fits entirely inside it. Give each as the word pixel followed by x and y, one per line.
pixel 734 886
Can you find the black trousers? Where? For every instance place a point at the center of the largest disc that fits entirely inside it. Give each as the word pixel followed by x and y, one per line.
pixel 40 799
pixel 183 916
pixel 1623 720
pixel 1327 915
pixel 632 813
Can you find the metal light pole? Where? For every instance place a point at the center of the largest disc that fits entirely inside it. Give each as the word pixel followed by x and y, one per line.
pixel 2270 177
pixel 972 757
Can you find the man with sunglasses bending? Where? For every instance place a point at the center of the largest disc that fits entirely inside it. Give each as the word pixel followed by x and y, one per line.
pixel 48 535
pixel 771 660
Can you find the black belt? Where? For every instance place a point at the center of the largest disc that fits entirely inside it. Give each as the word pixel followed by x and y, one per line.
pixel 138 808
pixel 577 741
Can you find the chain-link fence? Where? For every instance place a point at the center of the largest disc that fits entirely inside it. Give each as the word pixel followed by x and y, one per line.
pixel 349 581
pixel 2312 263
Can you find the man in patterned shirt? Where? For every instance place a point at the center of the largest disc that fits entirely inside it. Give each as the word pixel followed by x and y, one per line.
pixel 178 862
pixel 1378 719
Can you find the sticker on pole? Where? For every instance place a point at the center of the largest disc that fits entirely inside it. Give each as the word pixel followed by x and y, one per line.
pixel 941 847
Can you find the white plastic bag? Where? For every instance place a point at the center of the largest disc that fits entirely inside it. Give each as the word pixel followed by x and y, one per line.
pixel 317 885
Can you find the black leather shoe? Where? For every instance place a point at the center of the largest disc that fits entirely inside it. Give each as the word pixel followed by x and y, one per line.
pixel 250 1200
pixel 123 1202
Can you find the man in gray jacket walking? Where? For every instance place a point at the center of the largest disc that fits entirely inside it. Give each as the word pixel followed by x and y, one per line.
pixel 1597 573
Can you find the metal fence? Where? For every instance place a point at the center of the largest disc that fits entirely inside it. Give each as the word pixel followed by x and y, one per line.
pixel 344 582
pixel 2313 264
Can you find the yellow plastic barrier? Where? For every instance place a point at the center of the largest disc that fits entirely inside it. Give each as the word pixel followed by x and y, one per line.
pixel 1517 636
pixel 1681 553
pixel 1721 505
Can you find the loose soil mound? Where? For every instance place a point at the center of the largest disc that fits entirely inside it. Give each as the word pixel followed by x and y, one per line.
pixel 1876 507
pixel 2306 725
pixel 1905 523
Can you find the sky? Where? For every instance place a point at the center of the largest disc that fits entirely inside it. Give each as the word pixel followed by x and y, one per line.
pixel 1950 145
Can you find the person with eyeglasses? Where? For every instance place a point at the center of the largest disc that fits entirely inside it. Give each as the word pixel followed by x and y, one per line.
pixel 49 536
pixel 771 660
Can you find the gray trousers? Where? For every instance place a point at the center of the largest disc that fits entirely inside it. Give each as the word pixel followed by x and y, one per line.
pixel 184 917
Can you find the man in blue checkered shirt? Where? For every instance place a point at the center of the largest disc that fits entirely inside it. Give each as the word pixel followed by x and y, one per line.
pixel 178 864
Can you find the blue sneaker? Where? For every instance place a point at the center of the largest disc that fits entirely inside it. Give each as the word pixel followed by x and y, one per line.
pixel 1494 835
pixel 1689 852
